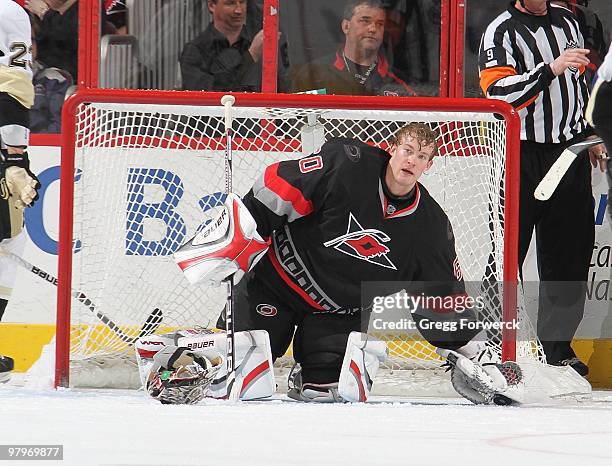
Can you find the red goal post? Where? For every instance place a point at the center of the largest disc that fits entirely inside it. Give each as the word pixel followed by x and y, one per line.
pixel 103 126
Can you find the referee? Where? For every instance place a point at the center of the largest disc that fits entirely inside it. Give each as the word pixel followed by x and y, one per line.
pixel 533 57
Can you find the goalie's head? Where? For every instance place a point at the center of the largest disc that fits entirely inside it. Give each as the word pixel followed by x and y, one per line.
pixel 412 151
pixel 180 376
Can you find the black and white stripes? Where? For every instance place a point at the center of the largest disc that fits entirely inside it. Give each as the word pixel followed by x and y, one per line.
pixel 515 53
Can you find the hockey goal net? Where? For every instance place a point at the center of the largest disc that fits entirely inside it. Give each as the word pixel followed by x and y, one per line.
pixel 142 170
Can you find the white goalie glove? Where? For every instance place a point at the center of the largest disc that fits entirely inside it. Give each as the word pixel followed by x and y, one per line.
pixel 482 384
pixel 228 246
pixel 182 376
pixel 21 186
pixel 509 383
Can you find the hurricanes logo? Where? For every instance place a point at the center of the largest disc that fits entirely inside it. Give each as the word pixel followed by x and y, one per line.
pixel 363 244
pixel 352 152
pixel 266 310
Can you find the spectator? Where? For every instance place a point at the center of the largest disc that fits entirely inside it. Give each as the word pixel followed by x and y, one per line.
pixel 50 86
pixel 412 42
pixel 226 56
pixel 358 67
pixel 596 39
pixel 533 57
pixel 116 17
pixel 59 33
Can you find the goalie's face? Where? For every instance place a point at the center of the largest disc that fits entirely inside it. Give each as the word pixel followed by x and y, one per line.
pixel 408 162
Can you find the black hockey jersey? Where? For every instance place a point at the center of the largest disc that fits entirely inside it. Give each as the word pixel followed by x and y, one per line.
pixel 332 228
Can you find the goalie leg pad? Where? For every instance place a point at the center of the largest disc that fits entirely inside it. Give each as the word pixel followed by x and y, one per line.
pixel 228 245
pixel 362 357
pixel 360 365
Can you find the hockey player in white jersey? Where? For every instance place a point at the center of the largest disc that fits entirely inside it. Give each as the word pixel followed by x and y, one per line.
pixel 599 114
pixel 18 184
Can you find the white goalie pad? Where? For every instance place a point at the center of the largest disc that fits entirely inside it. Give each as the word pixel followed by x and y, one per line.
pixel 362 357
pixel 254 370
pixel 228 246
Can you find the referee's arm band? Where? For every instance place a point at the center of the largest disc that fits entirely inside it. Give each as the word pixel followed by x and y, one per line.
pixel 490 76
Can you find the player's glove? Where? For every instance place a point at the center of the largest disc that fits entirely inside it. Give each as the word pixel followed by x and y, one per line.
pixel 17 180
pixel 489 383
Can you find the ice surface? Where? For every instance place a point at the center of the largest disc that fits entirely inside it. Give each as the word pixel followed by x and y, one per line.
pixel 122 427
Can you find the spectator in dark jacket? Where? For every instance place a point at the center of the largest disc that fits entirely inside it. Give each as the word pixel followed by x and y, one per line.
pixel 359 66
pixel 226 56
pixel 59 33
pixel 50 87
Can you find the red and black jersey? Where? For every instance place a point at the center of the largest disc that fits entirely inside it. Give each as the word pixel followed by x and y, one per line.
pixel 339 75
pixel 333 227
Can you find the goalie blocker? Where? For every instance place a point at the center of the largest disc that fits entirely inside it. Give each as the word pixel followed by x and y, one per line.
pixel 229 245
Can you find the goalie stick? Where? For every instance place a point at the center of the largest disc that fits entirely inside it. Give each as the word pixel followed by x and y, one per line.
pixel 551 180
pixel 233 385
pixel 151 324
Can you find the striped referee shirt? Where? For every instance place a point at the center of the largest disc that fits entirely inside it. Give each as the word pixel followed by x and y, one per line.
pixel 514 60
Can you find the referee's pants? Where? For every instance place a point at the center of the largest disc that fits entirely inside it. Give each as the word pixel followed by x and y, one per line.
pixel 565 235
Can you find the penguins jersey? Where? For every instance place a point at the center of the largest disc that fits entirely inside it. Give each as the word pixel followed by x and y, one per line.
pixel 16 53
pixel 333 227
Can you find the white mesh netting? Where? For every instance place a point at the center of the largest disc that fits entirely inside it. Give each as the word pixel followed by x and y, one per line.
pixel 147 176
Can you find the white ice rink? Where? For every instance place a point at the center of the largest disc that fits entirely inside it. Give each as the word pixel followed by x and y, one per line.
pixel 120 427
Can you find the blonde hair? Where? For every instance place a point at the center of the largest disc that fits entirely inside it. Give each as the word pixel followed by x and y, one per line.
pixel 423 134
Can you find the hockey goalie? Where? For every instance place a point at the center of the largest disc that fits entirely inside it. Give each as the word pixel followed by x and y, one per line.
pixel 302 241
